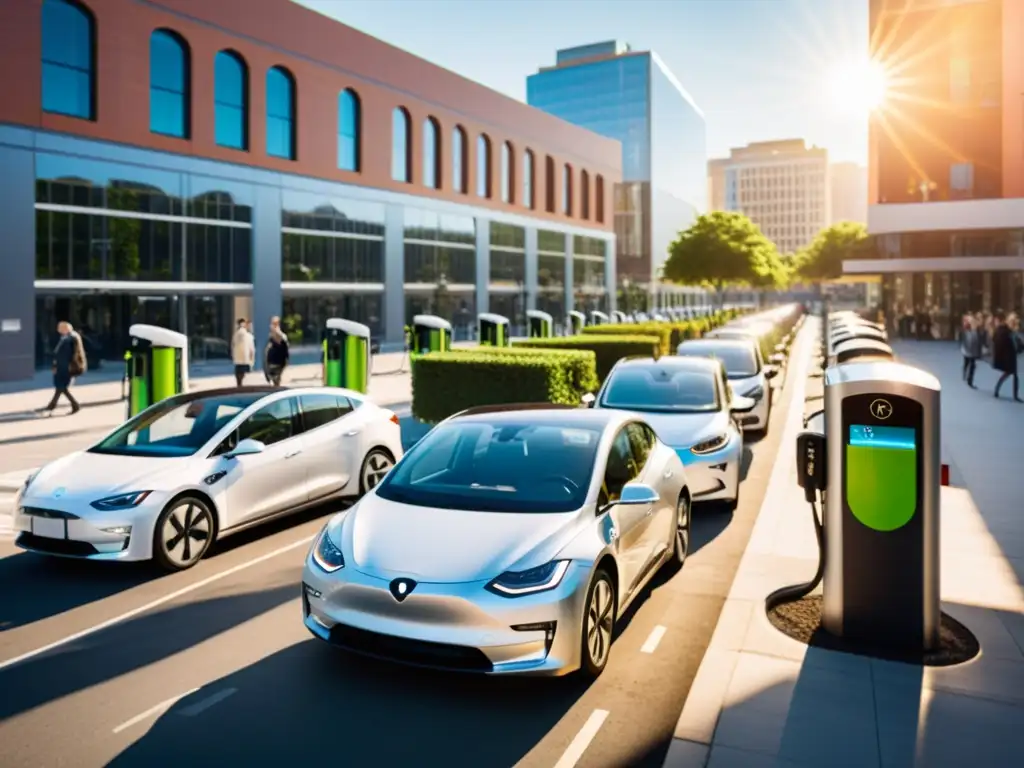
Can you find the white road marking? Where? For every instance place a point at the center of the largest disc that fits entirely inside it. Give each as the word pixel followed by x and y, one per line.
pixel 653 639
pixel 160 708
pixel 156 603
pixel 579 745
pixel 199 707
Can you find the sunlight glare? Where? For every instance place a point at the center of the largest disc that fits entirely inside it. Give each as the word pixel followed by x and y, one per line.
pixel 859 87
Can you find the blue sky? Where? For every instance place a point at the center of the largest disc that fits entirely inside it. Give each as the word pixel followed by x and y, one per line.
pixel 760 69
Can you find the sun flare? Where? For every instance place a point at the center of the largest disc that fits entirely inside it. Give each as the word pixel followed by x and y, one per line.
pixel 859 87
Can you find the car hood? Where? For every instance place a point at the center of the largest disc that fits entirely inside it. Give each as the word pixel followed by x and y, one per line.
pixel 681 430
pixel 389 539
pixel 95 475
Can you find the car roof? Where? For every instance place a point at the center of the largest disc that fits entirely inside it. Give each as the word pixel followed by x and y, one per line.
pixel 737 343
pixel 541 414
pixel 261 392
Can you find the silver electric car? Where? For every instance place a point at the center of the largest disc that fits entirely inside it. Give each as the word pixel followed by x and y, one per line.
pixel 748 375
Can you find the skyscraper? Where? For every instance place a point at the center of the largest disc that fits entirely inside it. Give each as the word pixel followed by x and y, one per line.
pixel 633 97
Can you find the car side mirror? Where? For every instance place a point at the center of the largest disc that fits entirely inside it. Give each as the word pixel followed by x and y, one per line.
pixel 633 495
pixel 742 405
pixel 247 447
pixel 588 400
pixel 770 372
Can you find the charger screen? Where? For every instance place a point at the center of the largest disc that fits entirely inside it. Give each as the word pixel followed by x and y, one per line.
pixel 881 475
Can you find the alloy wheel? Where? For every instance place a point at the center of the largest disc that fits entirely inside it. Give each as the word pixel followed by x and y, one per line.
pixel 376 466
pixel 600 623
pixel 186 533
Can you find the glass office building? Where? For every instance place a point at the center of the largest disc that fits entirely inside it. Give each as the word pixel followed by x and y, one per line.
pixel 633 97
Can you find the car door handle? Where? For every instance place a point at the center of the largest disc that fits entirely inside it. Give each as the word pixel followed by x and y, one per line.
pixel 353 432
pixel 293 454
pixel 668 474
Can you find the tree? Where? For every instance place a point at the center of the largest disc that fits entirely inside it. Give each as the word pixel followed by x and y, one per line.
pixel 823 258
pixel 720 249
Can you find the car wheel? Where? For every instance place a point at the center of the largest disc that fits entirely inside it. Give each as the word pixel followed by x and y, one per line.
pixel 681 542
pixel 598 625
pixel 376 465
pixel 184 531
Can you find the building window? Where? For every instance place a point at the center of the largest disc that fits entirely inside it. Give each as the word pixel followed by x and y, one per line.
pixel 280 113
pixel 231 100
pixel 460 163
pixel 584 195
pixel 349 130
pixel 431 153
pixel 401 146
pixel 169 84
pixel 961 179
pixel 528 199
pixel 69 59
pixel 508 173
pixel 483 166
pixel 567 189
pixel 599 198
pixel 549 184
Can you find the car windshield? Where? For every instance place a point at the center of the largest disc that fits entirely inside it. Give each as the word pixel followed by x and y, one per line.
pixel 497 466
pixel 175 427
pixel 660 389
pixel 740 361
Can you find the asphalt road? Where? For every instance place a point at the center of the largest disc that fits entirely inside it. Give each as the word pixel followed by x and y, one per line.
pixel 115 665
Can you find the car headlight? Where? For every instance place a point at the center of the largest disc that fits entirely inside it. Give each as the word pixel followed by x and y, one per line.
pixel 756 393
pixel 710 445
pixel 121 501
pixel 327 555
pixel 531 581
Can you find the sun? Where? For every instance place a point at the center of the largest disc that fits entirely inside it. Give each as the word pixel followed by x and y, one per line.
pixel 859 87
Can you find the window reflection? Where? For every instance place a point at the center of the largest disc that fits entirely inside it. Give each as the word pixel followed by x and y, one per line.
pixel 349 129
pixel 457 307
pixel 508 173
pixel 401 146
pixel 310 258
pixel 304 210
pixel 439 248
pixel 68 59
pixel 305 317
pixel 280 113
pixel 431 153
pixel 64 180
pixel 169 84
pixel 528 199
pixel 567 189
pixel 460 161
pixel 231 101
pixel 483 166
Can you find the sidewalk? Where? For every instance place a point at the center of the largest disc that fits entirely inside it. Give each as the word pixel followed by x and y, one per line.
pixel 762 699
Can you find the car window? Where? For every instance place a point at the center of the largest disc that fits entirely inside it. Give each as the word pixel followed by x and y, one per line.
pixel 641 443
pixel 620 468
pixel 740 361
pixel 726 389
pixel 321 409
pixel 659 389
pixel 271 424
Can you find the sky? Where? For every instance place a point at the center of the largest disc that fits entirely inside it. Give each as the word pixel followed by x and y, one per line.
pixel 759 69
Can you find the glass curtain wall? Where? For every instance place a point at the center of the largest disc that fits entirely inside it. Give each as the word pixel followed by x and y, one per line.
pixel 551 260
pixel 588 274
pixel 507 290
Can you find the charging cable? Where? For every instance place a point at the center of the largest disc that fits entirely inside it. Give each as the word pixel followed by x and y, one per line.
pixel 796 592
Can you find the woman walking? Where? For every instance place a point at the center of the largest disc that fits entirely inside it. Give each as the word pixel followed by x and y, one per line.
pixel 1005 348
pixel 68 362
pixel 276 355
pixel 971 348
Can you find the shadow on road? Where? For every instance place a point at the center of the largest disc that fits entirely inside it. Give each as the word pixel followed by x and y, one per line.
pixel 310 699
pixel 98 431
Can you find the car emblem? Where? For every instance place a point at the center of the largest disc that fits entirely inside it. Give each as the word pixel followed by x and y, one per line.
pixel 59 492
pixel 401 588
pixel 881 409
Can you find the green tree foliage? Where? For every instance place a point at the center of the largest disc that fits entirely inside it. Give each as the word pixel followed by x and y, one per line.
pixel 823 258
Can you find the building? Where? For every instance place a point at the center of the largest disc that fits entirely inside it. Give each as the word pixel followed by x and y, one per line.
pixel 185 162
pixel 716 183
pixel 946 159
pixel 848 183
pixel 632 97
pixel 782 186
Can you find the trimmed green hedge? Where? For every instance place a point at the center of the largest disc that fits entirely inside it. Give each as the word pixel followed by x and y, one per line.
pixel 608 350
pixel 582 363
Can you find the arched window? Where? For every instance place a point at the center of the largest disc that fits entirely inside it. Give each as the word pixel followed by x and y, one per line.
pixel 528 199
pixel 599 198
pixel 280 113
pixel 567 189
pixel 69 59
pixel 349 130
pixel 401 146
pixel 460 161
pixel 549 184
pixel 231 100
pixel 169 84
pixel 431 153
pixel 508 173
pixel 483 166
pixel 584 195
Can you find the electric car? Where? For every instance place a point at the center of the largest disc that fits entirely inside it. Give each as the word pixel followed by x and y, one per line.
pixel 504 542
pixel 748 375
pixel 195 467
pixel 689 403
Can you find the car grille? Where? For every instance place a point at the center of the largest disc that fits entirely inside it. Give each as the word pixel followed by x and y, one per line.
pixel 56 546
pixel 52 514
pixel 417 652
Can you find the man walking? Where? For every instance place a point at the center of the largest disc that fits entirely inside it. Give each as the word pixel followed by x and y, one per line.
pixel 243 351
pixel 276 354
pixel 971 347
pixel 1004 355
pixel 68 362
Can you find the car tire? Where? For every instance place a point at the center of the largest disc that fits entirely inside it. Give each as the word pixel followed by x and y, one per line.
pixel 681 533
pixel 183 533
pixel 376 464
pixel 598 626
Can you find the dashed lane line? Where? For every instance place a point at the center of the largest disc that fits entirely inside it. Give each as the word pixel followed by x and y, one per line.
pixel 579 745
pixel 651 645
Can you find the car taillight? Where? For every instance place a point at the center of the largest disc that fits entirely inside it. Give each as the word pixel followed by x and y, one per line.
pixel 394 418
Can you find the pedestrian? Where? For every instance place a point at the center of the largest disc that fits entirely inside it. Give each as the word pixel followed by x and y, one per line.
pixel 243 351
pixel 970 346
pixel 276 355
pixel 68 363
pixel 1005 348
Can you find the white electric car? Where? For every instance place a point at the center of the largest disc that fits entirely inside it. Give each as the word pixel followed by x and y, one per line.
pixel 748 375
pixel 197 466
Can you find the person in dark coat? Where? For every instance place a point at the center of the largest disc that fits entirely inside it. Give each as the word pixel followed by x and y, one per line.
pixel 1004 355
pixel 68 362
pixel 971 348
pixel 277 354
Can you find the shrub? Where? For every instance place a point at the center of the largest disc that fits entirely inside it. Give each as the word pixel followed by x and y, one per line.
pixel 608 350
pixel 582 363
pixel 662 331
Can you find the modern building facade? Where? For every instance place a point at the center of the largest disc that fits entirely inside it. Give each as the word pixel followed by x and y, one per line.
pixel 946 164
pixel 782 186
pixel 186 163
pixel 716 183
pixel 848 198
pixel 632 97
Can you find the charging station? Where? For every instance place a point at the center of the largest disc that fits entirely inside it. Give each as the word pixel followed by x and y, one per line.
pixel 575 321
pixel 598 318
pixel 494 330
pixel 430 333
pixel 347 358
pixel 540 324
pixel 858 349
pixel 157 366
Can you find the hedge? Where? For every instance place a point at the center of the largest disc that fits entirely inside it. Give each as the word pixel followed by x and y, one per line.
pixel 608 350
pixel 670 334
pixel 582 363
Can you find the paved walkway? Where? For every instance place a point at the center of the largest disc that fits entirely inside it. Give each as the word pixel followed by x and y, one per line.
pixel 761 699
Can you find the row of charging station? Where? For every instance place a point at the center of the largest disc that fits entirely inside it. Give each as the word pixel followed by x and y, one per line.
pixel 872 459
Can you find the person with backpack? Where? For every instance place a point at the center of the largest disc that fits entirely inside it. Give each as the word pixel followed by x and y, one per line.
pixel 69 362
